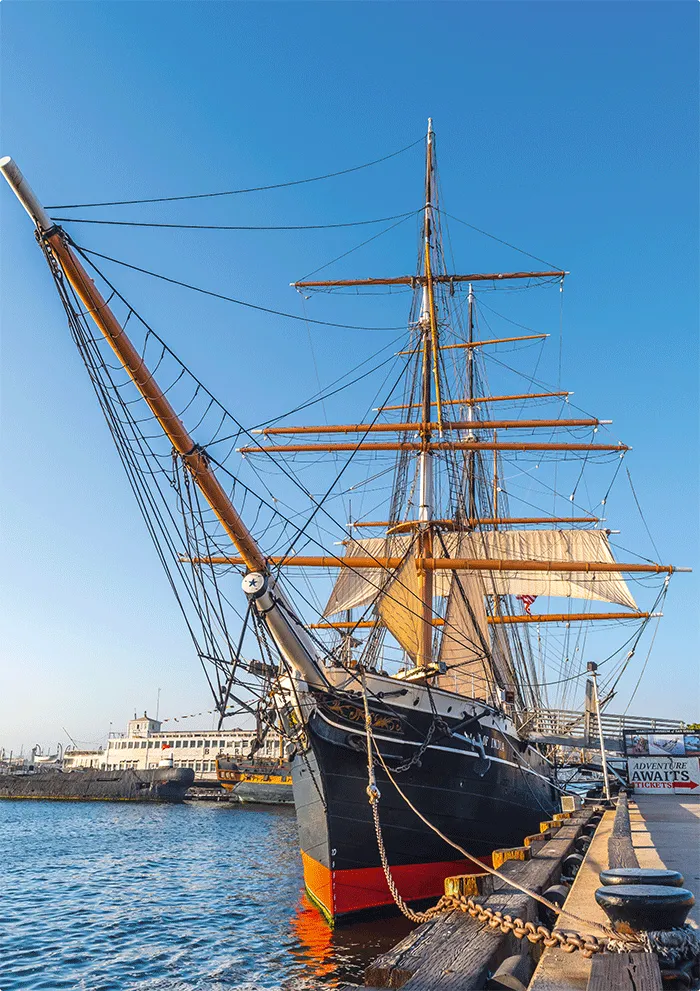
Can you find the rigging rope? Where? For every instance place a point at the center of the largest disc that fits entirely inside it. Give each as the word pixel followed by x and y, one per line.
pixel 230 227
pixel 374 796
pixel 228 299
pixel 494 238
pixel 235 192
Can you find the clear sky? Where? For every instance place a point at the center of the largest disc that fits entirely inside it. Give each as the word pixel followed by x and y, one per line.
pixel 567 128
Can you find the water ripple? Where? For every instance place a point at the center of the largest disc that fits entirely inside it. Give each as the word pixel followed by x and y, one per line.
pixel 200 897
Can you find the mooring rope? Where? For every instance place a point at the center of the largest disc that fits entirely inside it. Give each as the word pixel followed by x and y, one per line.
pixel 569 941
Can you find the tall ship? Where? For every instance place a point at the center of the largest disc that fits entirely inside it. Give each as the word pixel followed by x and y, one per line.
pixel 397 652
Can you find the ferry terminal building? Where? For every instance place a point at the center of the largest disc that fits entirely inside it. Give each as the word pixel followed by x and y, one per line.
pixel 145 742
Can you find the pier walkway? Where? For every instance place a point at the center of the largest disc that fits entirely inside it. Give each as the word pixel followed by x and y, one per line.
pixel 665 833
pixel 454 951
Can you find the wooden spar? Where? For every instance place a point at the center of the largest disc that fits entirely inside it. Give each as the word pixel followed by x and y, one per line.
pixel 195 459
pixel 420 280
pixel 479 344
pixel 446 445
pixel 478 521
pixel 447 564
pixel 574 617
pixel 478 400
pixel 414 426
pixel 471 474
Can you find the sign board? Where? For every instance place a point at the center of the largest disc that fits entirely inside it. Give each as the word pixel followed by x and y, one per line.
pixel 664 775
pixel 662 744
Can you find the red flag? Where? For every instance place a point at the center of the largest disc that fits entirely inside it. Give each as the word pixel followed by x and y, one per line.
pixel 527 601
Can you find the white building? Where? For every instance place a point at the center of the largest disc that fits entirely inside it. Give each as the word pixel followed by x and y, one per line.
pixel 83 758
pixel 145 742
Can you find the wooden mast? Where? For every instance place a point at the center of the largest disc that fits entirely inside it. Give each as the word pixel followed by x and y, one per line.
pixel 471 479
pixel 428 328
pixel 293 641
pixel 192 455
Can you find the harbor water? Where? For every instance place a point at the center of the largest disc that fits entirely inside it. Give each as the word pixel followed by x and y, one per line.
pixel 194 897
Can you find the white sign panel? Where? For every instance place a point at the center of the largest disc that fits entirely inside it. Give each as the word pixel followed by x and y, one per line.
pixel 664 775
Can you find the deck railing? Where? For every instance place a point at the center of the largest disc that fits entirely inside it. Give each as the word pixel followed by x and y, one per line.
pixel 567 722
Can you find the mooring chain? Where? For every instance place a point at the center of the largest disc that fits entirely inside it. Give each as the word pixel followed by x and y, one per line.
pixel 568 941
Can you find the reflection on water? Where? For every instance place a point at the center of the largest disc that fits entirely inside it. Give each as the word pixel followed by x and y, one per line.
pixel 115 897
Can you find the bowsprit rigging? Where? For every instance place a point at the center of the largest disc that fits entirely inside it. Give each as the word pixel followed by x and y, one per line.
pixel 421 634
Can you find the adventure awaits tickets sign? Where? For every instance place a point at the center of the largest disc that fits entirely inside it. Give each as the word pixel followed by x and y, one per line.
pixel 670 775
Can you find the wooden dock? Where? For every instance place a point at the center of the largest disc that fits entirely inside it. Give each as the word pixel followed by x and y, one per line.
pixel 455 952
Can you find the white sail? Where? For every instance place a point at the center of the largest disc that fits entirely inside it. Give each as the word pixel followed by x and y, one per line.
pixel 464 648
pixel 359 587
pixel 400 608
pixel 587 546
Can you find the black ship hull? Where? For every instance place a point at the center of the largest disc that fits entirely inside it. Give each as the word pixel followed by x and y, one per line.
pixel 483 795
pixel 163 784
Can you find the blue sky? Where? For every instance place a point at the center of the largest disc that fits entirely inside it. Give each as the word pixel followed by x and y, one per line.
pixel 566 128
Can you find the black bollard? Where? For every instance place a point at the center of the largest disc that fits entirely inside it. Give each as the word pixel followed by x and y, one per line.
pixel 644 907
pixel 556 894
pixel 571 864
pixel 642 875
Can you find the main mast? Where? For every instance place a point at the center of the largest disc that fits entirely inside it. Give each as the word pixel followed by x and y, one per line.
pixel 428 331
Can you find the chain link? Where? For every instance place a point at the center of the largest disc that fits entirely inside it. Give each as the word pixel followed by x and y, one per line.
pixel 568 941
pixel 588 945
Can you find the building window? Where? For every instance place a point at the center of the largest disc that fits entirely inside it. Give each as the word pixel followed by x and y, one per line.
pixel 198 766
pixel 130 744
pixel 144 744
pixel 207 743
pixel 200 743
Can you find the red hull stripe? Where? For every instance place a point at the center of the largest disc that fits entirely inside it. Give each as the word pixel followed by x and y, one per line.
pixel 340 892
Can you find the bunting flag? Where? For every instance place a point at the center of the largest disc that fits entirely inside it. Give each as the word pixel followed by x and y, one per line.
pixel 527 601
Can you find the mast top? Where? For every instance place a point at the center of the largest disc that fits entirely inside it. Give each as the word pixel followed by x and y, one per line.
pixel 25 194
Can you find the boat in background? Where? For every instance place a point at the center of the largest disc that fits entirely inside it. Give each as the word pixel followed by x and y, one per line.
pixel 263 780
pixel 162 784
